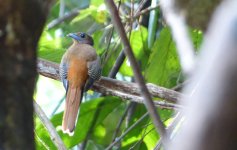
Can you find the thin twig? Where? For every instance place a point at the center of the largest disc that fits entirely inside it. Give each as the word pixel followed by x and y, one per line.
pixel 130 113
pixel 180 33
pixel 121 57
pixel 117 65
pixel 51 70
pixel 97 113
pixel 144 11
pixel 58 105
pixel 120 122
pixel 170 129
pixel 137 73
pixel 49 126
pixel 127 131
pixel 141 4
pixel 142 138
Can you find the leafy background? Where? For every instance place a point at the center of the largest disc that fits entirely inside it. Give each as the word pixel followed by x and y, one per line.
pixel 99 116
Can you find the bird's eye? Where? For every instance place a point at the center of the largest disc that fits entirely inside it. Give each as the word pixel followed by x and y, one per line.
pixel 82 35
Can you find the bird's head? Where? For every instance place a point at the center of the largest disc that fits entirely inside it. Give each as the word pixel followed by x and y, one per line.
pixel 82 38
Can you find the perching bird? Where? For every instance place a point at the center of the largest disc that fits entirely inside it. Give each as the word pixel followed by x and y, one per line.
pixel 79 68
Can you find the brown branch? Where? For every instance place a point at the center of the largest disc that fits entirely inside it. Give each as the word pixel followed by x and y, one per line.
pixel 125 90
pixel 134 98
pixel 133 89
pixel 137 73
pixel 51 130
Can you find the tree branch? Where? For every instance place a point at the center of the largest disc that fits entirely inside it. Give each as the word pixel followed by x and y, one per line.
pixel 125 90
pixel 51 130
pixel 137 73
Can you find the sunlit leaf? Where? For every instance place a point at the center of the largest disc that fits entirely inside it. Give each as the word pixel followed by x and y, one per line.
pixel 136 134
pixel 88 110
pixel 163 67
pixel 97 2
pixel 138 41
pixel 84 13
pixel 51 47
pixel 42 138
pixel 108 126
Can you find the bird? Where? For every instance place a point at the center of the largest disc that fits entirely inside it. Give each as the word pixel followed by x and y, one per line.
pixel 80 66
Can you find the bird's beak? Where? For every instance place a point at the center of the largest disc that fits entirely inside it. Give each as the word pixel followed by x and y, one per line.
pixel 74 36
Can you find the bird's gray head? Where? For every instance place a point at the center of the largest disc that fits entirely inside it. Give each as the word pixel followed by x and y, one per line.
pixel 82 38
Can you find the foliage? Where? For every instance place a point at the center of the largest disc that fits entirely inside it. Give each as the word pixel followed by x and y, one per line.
pixel 99 117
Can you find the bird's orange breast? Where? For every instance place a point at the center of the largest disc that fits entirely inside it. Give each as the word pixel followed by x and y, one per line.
pixel 77 72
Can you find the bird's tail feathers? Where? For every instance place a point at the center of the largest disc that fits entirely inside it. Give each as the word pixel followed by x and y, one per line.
pixel 73 100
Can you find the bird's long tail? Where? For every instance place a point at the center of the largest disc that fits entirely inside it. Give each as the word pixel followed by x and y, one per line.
pixel 71 111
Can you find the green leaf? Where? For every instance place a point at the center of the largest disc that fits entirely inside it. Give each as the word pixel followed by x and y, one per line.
pixel 136 133
pixel 152 137
pixel 163 67
pixel 97 2
pixel 145 130
pixel 88 111
pixel 51 46
pixel 99 14
pixel 138 41
pixel 84 13
pixel 42 138
pixel 105 129
pixel 93 146
pixel 137 145
pixel 109 61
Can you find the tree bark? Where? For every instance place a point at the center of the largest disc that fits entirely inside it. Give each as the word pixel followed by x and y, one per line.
pixel 21 24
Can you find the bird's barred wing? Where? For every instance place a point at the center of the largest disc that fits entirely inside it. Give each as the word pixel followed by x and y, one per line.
pixel 94 72
pixel 63 68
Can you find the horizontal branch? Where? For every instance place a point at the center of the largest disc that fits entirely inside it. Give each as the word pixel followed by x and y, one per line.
pixel 123 89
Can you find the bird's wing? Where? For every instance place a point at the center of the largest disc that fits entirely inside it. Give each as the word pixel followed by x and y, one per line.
pixel 63 70
pixel 94 72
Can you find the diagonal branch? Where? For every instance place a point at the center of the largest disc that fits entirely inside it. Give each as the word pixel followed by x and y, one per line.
pixel 121 57
pixel 137 73
pixel 51 130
